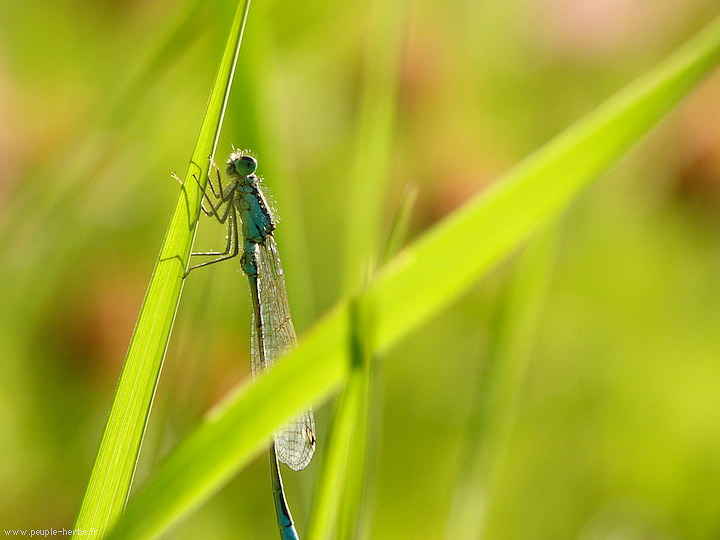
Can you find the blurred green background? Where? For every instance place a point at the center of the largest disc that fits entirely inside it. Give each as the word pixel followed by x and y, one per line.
pixel 613 431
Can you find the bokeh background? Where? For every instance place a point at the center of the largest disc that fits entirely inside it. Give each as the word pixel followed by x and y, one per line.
pixel 613 430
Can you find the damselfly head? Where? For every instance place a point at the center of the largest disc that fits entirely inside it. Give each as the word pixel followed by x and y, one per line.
pixel 241 164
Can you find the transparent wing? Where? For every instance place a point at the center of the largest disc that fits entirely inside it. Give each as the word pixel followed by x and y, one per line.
pixel 294 442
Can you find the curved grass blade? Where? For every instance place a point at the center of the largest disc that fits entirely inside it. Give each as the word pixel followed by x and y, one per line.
pixel 407 290
pixel 115 462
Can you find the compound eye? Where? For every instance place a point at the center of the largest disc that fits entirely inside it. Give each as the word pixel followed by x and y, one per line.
pixel 246 165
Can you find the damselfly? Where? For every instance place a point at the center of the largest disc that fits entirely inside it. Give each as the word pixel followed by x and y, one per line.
pixel 272 328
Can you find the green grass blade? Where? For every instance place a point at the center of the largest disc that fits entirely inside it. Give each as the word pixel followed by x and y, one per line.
pixel 115 462
pixel 419 282
pixel 362 451
pixel 443 263
pixel 348 431
pixel 334 468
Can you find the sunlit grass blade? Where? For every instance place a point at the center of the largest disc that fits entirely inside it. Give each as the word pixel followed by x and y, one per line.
pixel 115 462
pixel 362 452
pixel 418 283
pixel 348 431
pixel 497 394
pixel 326 503
pixel 491 225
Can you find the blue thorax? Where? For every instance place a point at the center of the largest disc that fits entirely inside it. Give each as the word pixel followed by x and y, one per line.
pixel 257 220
